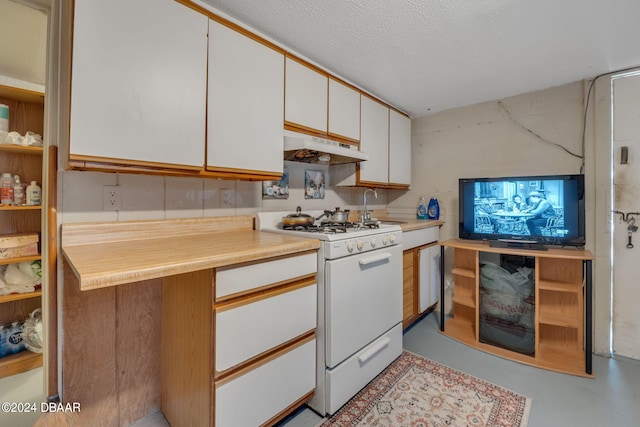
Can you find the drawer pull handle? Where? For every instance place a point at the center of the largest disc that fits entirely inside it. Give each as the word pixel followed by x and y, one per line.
pixel 376 258
pixel 373 350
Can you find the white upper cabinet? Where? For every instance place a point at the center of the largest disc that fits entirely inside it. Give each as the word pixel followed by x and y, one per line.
pixel 138 88
pixel 306 93
pixel 344 111
pixel 374 140
pixel 399 148
pixel 246 103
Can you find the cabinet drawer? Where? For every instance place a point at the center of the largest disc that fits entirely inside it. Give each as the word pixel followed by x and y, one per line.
pixel 232 281
pixel 256 396
pixel 253 326
pixel 415 238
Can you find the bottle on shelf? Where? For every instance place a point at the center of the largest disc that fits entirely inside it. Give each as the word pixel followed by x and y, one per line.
pixel 433 210
pixel 6 186
pixel 33 194
pixel 4 118
pixel 421 210
pixel 18 191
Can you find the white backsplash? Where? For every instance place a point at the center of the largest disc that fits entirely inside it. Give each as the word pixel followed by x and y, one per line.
pixel 146 197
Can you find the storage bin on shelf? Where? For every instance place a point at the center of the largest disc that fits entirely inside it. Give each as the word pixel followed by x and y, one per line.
pixel 18 245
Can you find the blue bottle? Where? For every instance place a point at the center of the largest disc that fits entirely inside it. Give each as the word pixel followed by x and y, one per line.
pixel 433 210
pixel 421 209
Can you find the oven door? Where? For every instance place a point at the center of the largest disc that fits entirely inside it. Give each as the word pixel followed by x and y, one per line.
pixel 363 300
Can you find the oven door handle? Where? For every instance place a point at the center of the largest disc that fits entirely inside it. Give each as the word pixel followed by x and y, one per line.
pixel 376 258
pixel 374 350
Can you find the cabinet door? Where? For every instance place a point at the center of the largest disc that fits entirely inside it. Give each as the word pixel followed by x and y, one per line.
pixel 305 97
pixel 246 97
pixel 374 140
pixel 429 276
pixel 138 89
pixel 399 148
pixel 344 111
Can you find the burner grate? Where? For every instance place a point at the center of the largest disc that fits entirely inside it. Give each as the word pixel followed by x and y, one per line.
pixel 333 227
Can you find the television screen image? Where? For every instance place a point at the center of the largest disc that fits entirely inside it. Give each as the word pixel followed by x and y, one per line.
pixel 541 209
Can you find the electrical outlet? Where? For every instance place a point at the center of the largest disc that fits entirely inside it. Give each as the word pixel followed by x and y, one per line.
pixel 227 197
pixel 111 198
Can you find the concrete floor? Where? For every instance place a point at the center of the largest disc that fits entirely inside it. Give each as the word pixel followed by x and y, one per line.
pixel 612 398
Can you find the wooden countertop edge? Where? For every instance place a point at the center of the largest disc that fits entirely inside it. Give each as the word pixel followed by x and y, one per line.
pixel 116 263
pixel 410 224
pixel 482 246
pixel 415 224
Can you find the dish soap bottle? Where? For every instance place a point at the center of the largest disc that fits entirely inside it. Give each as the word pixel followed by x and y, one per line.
pixel 421 210
pixel 433 210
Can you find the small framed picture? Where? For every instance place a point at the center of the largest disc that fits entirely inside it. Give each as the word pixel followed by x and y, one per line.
pixel 276 189
pixel 314 184
pixel 533 183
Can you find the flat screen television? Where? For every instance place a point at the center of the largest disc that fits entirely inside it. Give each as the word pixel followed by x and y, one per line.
pixel 532 210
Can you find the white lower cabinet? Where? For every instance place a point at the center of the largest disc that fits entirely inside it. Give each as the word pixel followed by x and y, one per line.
pixel 421 271
pixel 239 342
pixel 429 276
pixel 235 281
pixel 256 396
pixel 246 330
pixel 264 344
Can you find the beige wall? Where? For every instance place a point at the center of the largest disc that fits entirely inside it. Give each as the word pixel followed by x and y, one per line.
pixel 482 141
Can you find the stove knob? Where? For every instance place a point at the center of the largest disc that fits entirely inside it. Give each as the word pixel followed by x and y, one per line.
pixel 373 243
pixel 360 246
pixel 385 240
pixel 350 246
pixel 392 238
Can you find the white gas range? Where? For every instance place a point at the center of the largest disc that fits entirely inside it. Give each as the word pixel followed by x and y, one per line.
pixel 359 330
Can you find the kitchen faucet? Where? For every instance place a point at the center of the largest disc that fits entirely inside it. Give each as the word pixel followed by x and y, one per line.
pixel 366 215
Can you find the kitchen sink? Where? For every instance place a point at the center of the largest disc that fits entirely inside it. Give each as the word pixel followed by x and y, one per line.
pixel 387 221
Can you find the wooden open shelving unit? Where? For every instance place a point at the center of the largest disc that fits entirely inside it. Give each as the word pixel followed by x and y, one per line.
pixel 26 113
pixel 562 305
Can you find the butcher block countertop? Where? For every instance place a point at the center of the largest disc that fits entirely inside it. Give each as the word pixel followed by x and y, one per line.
pixel 107 254
pixel 415 224
pixel 407 223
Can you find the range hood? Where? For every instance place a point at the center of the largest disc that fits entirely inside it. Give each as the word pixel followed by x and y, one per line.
pixel 299 147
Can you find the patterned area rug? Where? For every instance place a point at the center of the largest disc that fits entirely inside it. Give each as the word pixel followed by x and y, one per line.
pixel 418 392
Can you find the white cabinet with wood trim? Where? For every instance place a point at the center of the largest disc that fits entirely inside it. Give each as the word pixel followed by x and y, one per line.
pixel 421 272
pixel 344 111
pixel 257 342
pixel 399 148
pixel 306 97
pixel 374 140
pixel 265 335
pixel 385 135
pixel 245 103
pixel 139 84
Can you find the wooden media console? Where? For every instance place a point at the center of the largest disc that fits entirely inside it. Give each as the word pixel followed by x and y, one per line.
pixel 560 304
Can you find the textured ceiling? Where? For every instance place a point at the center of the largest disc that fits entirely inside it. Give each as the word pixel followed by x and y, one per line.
pixel 425 56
